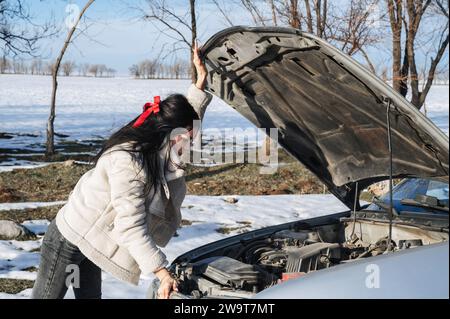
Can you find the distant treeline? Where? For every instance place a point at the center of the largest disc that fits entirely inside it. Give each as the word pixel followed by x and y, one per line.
pixel 42 67
pixel 153 69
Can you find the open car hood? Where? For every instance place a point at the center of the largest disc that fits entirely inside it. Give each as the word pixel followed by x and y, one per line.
pixel 330 112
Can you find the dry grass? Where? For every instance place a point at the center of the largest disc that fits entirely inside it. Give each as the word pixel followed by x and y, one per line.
pixel 30 214
pixel 50 183
pixel 55 181
pixel 14 286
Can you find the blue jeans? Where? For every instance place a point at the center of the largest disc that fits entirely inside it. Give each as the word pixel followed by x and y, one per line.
pixel 62 264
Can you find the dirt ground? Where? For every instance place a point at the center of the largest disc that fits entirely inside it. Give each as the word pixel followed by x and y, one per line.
pixel 55 181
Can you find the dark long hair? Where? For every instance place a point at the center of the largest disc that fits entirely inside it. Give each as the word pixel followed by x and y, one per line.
pixel 148 139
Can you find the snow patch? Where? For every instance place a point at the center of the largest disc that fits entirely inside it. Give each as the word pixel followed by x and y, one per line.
pixel 206 214
pixel 28 205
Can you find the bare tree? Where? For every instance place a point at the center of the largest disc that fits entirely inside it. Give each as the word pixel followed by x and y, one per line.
pixel 353 29
pixel 19 32
pixel 406 18
pixel 294 14
pixel 181 27
pixel 93 69
pixel 154 69
pixel 36 66
pixel 147 68
pixel 309 18
pixel 349 26
pixel 68 67
pixel 48 68
pixel 224 12
pixel 83 69
pixel 110 72
pixel 256 13
pixel 310 13
pixel 178 69
pixel 399 73
pixel 261 12
pixel 102 69
pixel 50 145
pixel 19 66
pixel 134 70
pixel 5 65
pixel 273 11
pixel 193 39
pixel 415 11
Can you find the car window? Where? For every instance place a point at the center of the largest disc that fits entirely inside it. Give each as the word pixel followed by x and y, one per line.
pixel 438 189
pixel 410 188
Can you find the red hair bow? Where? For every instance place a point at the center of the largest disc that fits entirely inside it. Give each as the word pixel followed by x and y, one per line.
pixel 149 108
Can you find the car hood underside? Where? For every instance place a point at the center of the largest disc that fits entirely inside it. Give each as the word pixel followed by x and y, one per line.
pixel 330 112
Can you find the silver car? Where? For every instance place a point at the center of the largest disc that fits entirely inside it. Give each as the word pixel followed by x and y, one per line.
pixel 351 130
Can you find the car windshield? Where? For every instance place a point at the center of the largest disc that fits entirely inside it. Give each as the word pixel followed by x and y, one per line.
pixel 416 195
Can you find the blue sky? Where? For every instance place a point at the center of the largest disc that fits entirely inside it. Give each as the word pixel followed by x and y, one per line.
pixel 122 39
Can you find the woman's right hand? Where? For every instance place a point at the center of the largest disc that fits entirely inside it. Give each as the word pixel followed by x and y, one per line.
pixel 200 67
pixel 167 283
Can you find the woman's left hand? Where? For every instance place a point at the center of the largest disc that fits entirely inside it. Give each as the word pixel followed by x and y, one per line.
pixel 167 285
pixel 199 67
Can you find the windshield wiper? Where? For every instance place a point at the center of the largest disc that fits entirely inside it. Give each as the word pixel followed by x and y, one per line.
pixel 416 203
pixel 384 206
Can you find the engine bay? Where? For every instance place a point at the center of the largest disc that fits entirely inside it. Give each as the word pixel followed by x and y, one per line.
pixel 241 271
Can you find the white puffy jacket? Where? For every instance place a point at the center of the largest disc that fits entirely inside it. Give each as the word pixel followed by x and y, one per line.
pixel 110 221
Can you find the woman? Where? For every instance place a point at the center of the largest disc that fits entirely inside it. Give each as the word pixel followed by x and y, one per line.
pixel 127 206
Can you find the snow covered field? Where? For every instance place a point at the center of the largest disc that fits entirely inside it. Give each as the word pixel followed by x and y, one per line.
pixel 92 108
pixel 207 213
pixel 89 108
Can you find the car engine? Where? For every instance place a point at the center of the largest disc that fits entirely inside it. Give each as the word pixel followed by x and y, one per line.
pixel 244 270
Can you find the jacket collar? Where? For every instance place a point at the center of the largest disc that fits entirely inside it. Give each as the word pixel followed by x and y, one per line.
pixel 174 168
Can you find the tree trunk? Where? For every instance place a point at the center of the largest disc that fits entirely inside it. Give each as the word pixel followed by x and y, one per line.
pixel 369 62
pixel 415 10
pixel 309 20
pixel 50 145
pixel 274 13
pixel 294 20
pixel 194 38
pixel 324 19
pixel 413 14
pixel 395 17
pixel 404 72
pixel 3 64
pixel 318 4
pixel 432 71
